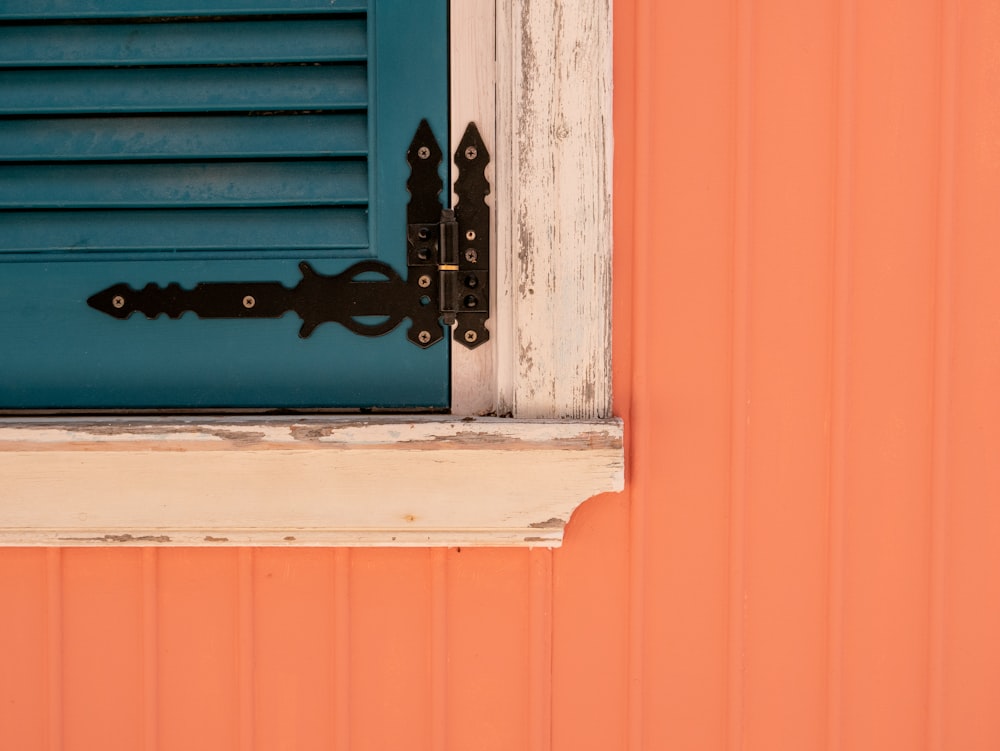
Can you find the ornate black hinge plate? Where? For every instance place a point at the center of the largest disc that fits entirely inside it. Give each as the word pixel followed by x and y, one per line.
pixel 447 268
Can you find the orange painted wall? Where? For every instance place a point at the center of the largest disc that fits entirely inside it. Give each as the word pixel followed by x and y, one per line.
pixel 807 555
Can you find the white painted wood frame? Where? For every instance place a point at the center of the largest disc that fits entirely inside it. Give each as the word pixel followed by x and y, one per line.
pixel 305 481
pixel 536 77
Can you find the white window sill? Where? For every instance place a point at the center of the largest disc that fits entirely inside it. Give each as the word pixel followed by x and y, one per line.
pixel 383 481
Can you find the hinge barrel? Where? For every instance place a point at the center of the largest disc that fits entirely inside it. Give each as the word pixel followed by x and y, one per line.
pixel 448 267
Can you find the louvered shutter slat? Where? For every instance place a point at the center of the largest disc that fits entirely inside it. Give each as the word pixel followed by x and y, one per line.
pixel 59 9
pixel 343 134
pixel 169 185
pixel 55 92
pixel 186 43
pixel 242 232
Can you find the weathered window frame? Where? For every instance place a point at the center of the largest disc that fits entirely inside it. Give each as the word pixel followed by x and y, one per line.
pixel 537 78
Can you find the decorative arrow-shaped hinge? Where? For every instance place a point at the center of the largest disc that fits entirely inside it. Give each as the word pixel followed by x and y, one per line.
pixel 447 264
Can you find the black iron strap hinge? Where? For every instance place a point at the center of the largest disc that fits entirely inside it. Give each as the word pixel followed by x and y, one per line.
pixel 447 257
pixel 452 245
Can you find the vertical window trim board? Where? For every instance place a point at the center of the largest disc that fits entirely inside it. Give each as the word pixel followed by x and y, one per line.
pixel 554 115
pixel 323 480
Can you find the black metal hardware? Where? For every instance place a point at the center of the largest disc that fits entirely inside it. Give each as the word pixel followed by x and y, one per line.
pixel 455 243
pixel 472 214
pixel 447 263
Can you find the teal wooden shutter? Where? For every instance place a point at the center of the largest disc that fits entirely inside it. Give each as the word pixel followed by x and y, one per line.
pixel 227 140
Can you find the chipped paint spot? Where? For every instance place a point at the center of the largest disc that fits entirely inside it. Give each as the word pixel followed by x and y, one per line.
pixel 288 538
pixel 410 518
pixel 209 538
pixel 318 432
pixel 553 523
pixel 525 358
pixel 118 538
pixel 230 435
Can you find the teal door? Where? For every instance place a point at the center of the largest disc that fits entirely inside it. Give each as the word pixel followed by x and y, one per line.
pixel 179 141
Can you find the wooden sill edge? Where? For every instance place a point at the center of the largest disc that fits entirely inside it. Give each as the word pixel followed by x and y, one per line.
pixel 306 481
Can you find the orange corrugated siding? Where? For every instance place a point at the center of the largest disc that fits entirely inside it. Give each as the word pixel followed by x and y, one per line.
pixel 807 555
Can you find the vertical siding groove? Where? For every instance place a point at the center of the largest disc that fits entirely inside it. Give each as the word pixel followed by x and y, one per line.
pixel 150 649
pixel 639 433
pixel 342 649
pixel 539 693
pixel 840 323
pixel 54 651
pixel 439 649
pixel 740 397
pixel 945 244
pixel 245 649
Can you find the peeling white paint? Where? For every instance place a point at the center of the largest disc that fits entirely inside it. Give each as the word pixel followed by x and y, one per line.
pixel 316 481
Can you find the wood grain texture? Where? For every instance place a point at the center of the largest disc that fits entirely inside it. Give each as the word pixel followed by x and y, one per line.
pixel 553 170
pixel 473 89
pixel 304 482
pixel 540 75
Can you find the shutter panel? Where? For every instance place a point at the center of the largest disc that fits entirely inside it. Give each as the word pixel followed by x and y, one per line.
pixel 184 141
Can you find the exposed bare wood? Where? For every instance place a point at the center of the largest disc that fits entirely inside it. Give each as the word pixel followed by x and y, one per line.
pixel 554 182
pixel 315 481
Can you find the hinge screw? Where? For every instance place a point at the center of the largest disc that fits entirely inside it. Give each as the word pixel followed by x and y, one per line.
pixel 118 301
pixel 471 336
pixel 249 302
pixel 424 337
pixel 471 153
pixel 424 281
pixel 471 255
pixel 470 235
pixel 423 152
